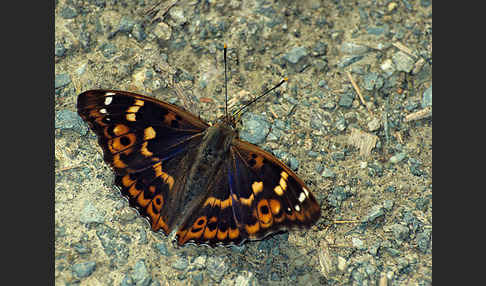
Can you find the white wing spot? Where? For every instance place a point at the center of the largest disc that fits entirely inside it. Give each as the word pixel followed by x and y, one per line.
pixel 297 208
pixel 103 111
pixel 288 209
pixel 306 191
pixel 302 197
pixel 108 99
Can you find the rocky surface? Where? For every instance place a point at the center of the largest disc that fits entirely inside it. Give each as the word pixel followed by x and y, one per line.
pixel 383 200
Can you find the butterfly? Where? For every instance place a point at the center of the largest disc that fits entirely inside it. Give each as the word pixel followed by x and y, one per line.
pixel 183 174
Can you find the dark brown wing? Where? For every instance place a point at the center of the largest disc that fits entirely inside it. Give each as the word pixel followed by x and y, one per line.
pixel 144 140
pixel 270 196
pixel 255 195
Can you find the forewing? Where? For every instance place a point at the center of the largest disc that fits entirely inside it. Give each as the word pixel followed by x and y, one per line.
pixel 144 140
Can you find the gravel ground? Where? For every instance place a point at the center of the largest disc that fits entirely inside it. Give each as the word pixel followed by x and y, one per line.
pixel 368 154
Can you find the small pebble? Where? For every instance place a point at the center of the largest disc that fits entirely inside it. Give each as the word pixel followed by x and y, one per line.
pixel 397 157
pixel 180 264
pixel 388 67
pixel 67 119
pixel 374 124
pixel 62 80
pixel 358 243
pixel 400 232
pixel 162 248
pixel 90 214
pixel 346 100
pixel 84 269
pixel 68 13
pixel 403 62
pixel 348 60
pixel 353 49
pixel 295 55
pixel 59 50
pixel 375 212
pixel 141 276
pixel 427 97
pixel 255 128
pixel 328 173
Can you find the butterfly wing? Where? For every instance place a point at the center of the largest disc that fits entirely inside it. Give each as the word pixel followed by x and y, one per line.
pixel 270 197
pixel 144 140
pixel 212 220
pixel 255 195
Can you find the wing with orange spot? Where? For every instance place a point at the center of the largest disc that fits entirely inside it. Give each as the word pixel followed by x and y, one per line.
pixel 144 140
pixel 270 197
pixel 256 195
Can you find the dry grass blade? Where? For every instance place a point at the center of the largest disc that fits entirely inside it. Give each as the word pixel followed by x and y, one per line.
pixel 358 90
pixel 423 113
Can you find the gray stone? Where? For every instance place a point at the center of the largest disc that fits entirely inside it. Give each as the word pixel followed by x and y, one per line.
pixel 319 49
pixel 403 62
pixel 216 267
pixel 348 60
pixel 62 80
pixel 84 269
pixel 67 119
pixel 140 274
pixel 181 263
pixel 69 13
pixel 108 50
pixel 346 100
pixel 127 281
pixel 427 97
pixel 330 105
pixel 59 50
pixel 375 30
pixel 138 32
pixel 341 124
pixel 375 212
pixel 255 128
pixel 388 67
pixel 293 163
pixel 177 14
pixel 353 49
pixel 90 214
pixel 295 55
pixel 275 134
pixel 398 157
pixel 400 232
pixel 143 237
pixel 162 248
pixel 372 81
pixel 85 40
pixel 81 249
pixel 322 83
pixel 358 243
pixel 388 205
pixel 338 195
pixel 126 25
pixel 374 124
pixel 199 262
pixel 423 240
pixel 328 173
pixel 373 249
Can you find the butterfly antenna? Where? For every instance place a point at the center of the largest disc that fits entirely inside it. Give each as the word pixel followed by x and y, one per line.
pixel 225 83
pixel 239 113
